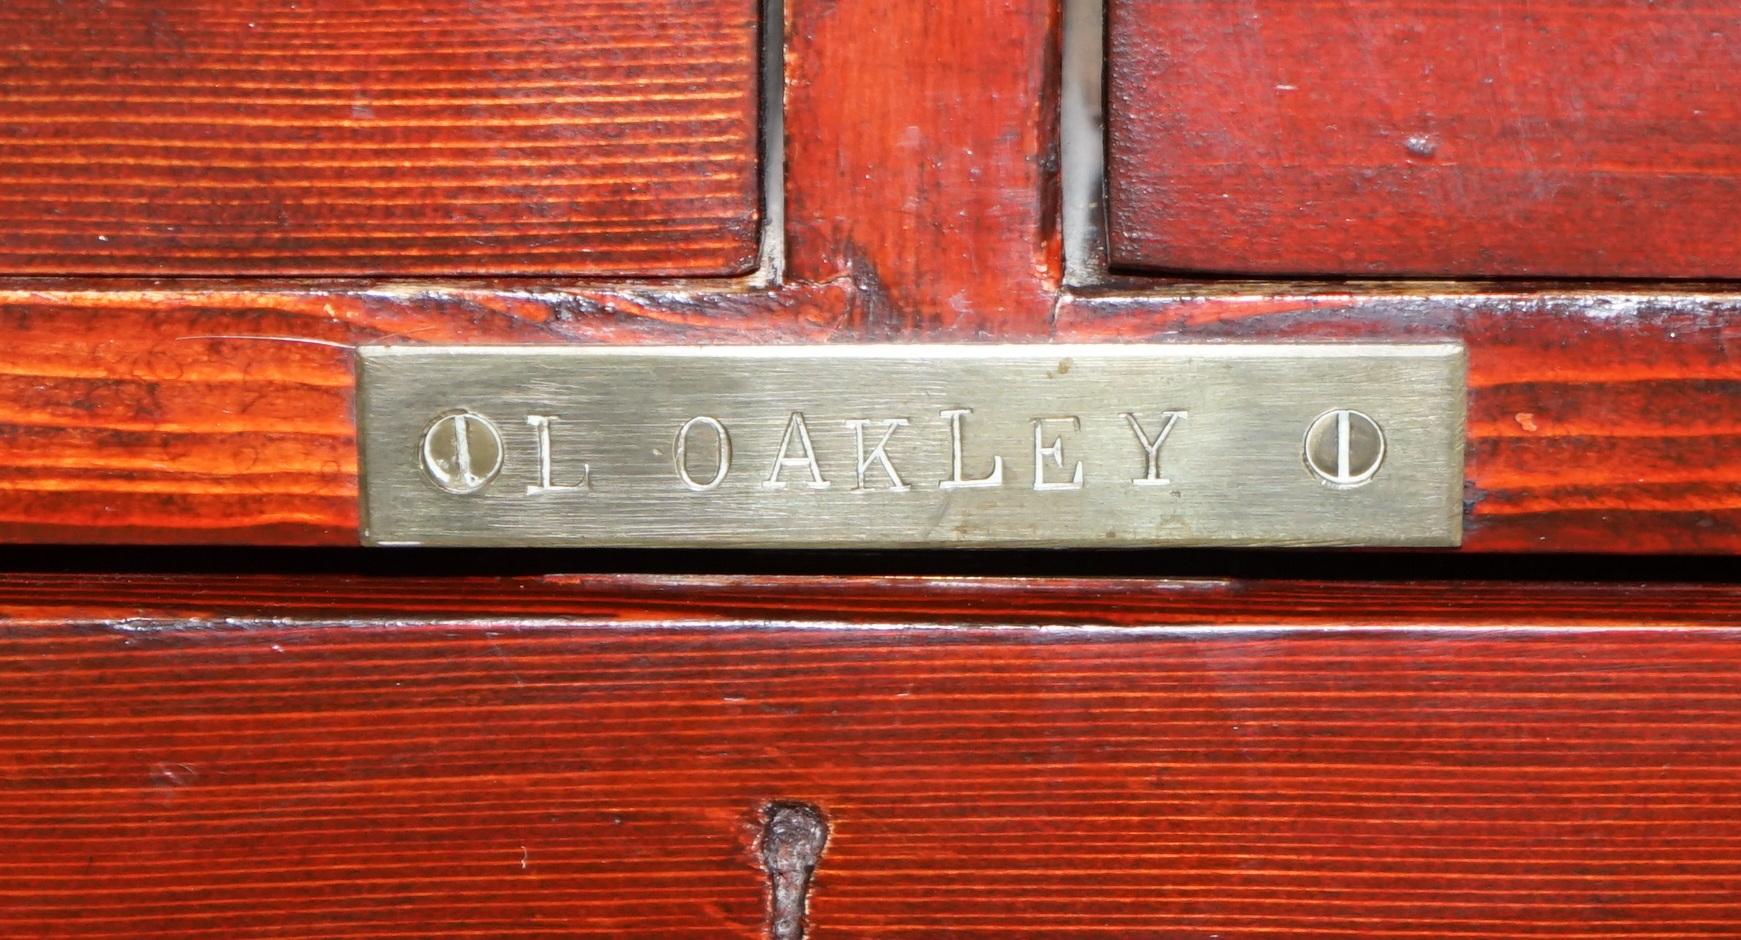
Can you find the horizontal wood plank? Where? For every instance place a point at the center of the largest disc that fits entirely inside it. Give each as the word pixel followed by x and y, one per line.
pixel 353 137
pixel 1597 422
pixel 591 757
pixel 1413 137
pixel 227 415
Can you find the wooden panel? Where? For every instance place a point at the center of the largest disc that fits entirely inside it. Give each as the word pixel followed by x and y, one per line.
pixel 204 414
pixel 255 758
pixel 922 163
pixel 223 412
pixel 1408 137
pixel 1602 420
pixel 1597 423
pixel 354 137
pixel 1602 423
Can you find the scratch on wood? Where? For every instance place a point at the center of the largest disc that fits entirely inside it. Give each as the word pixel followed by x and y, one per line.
pixel 279 339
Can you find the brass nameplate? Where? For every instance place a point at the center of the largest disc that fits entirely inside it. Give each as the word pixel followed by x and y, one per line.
pixel 913 446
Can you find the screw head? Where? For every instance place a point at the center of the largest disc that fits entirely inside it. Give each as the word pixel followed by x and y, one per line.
pixel 462 452
pixel 1344 448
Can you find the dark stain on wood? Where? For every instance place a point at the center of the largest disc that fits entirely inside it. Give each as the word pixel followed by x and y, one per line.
pixel 793 837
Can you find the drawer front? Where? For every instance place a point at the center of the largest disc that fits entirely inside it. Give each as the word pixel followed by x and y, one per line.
pixel 257 757
pixel 1402 137
pixel 349 137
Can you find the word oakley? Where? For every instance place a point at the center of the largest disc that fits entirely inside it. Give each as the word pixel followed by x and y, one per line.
pixel 883 447
pixel 462 453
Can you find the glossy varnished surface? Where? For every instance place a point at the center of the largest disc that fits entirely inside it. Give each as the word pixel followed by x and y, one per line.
pixel 270 757
pixel 352 137
pixel 922 149
pixel 1603 423
pixel 921 206
pixel 1387 137
pixel 201 415
pixel 1596 423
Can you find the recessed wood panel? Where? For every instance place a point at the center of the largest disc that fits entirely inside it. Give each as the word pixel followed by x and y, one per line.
pixel 262 758
pixel 340 137
pixel 1406 137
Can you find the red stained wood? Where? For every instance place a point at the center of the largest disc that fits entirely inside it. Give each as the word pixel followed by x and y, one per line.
pixel 922 143
pixel 146 412
pixel 1404 137
pixel 1595 423
pixel 154 431
pixel 227 415
pixel 353 137
pixel 273 757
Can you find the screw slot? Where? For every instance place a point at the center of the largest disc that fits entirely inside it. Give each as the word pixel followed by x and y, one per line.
pixel 462 452
pixel 1344 448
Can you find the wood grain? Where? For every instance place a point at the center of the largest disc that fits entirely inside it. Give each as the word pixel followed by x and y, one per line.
pixel 1600 423
pixel 136 411
pixel 1410 137
pixel 354 137
pixel 1597 423
pixel 868 210
pixel 271 757
pixel 227 415
pixel 922 148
